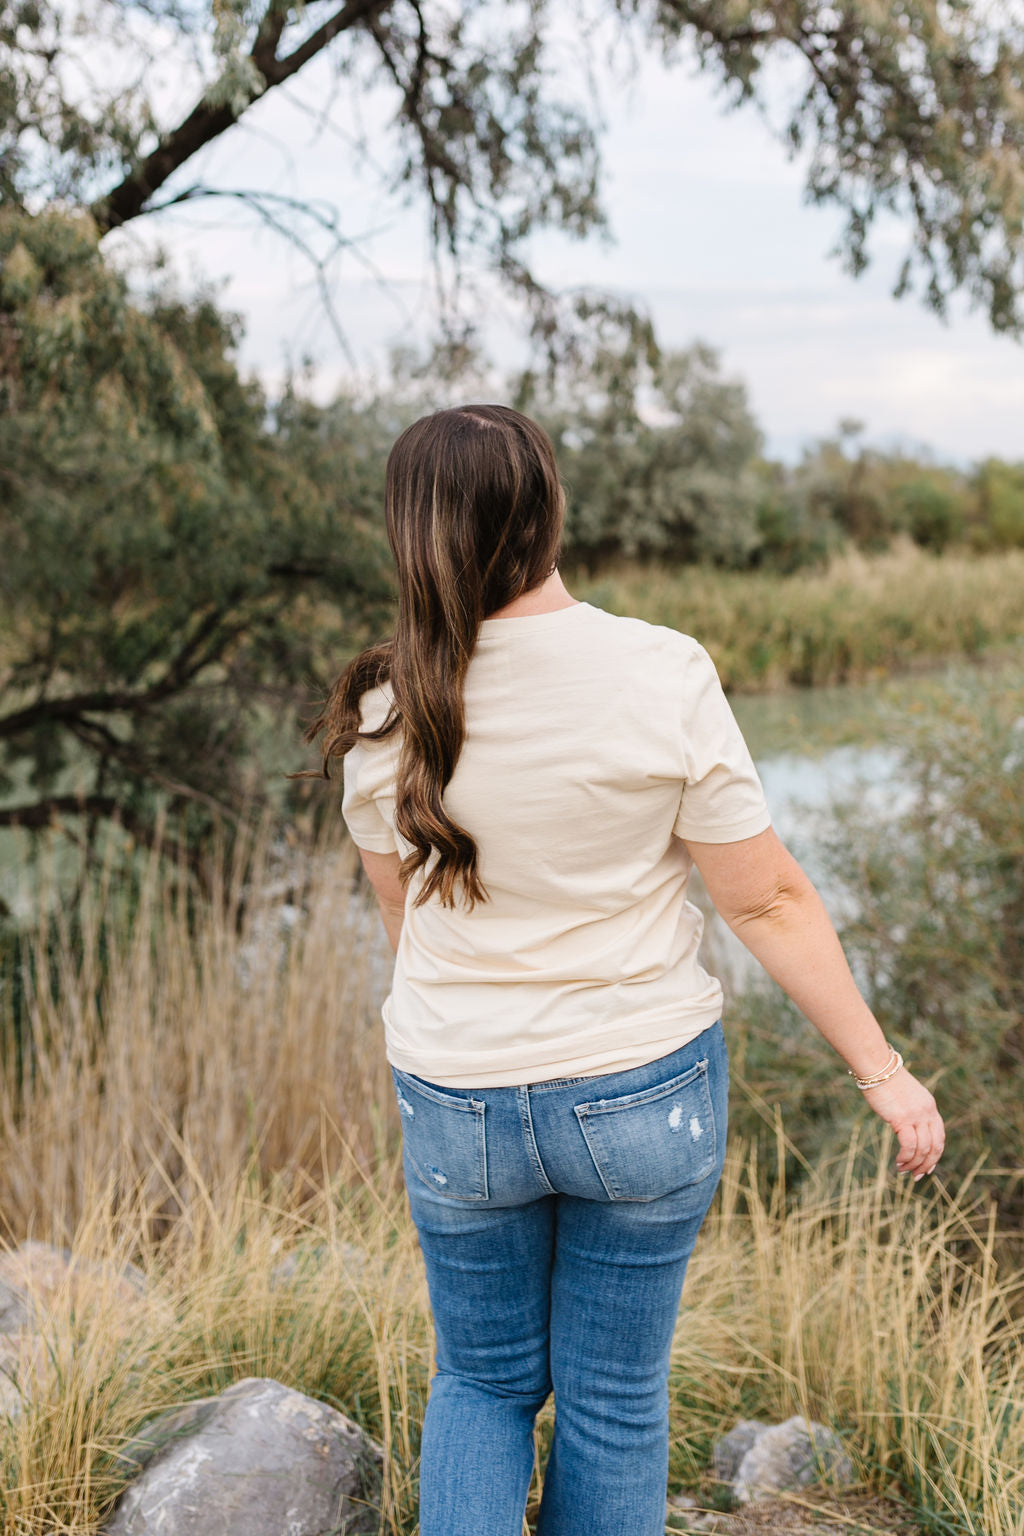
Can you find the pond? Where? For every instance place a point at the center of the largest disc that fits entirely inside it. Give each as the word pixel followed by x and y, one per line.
pixel 820 747
pixel 812 747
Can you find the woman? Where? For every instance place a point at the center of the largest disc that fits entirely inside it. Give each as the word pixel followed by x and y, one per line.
pixel 530 781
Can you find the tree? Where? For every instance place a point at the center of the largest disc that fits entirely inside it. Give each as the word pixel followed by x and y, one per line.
pixel 999 520
pixel 658 455
pixel 162 541
pixel 914 106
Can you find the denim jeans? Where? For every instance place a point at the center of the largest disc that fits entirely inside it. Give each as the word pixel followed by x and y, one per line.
pixel 556 1222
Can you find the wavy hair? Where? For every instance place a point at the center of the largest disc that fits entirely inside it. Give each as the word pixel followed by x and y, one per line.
pixel 474 511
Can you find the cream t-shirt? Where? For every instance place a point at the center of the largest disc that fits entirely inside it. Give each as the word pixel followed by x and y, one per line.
pixel 594 744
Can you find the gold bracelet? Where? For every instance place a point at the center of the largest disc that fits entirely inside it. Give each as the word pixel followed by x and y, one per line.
pixel 876 1079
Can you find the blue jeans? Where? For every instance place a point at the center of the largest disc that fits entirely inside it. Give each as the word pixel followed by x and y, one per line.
pixel 556 1222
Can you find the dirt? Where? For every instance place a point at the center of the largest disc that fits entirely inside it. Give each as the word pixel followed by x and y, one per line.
pixel 804 1514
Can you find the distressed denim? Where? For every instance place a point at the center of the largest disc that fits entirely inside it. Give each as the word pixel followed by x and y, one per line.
pixel 556 1222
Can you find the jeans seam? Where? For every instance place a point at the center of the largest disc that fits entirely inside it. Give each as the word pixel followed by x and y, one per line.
pixel 556 1082
pixel 532 1150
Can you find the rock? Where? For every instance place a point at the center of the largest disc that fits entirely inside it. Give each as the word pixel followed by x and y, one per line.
pixel 731 1449
pixel 257 1460
pixel 790 1455
pixel 302 1263
pixel 34 1273
pixel 32 1278
pixel 15 1308
pixel 684 1514
pixel 23 1356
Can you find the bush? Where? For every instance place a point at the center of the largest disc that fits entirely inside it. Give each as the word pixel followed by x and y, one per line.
pixel 937 944
pixel 999 523
pixel 931 513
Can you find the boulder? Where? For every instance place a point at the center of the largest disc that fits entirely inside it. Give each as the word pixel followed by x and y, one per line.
pixel 23 1358
pixel 259 1459
pixel 32 1278
pixel 34 1273
pixel 731 1449
pixel 758 1459
pixel 15 1308
pixel 305 1263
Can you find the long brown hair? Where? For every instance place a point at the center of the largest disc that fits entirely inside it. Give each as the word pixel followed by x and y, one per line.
pixel 474 512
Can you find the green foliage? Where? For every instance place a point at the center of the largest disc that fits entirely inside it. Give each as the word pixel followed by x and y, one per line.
pixel 158 539
pixel 794 530
pixel 910 107
pixel 844 491
pixel 931 512
pixel 658 456
pixel 999 522
pixel 934 879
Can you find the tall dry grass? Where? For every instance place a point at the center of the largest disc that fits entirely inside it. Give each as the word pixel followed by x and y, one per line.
pixel 146 1024
pixel 202 1092
pixel 864 616
pixel 882 1312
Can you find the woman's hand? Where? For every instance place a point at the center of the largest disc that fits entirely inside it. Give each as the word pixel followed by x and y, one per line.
pixel 768 902
pixel 909 1108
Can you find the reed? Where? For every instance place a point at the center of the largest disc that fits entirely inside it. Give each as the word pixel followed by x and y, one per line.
pixel 883 1312
pixel 862 617
pixel 146 1022
pixel 201 1090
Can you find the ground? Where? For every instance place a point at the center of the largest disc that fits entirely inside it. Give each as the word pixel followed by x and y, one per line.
pixel 804 1514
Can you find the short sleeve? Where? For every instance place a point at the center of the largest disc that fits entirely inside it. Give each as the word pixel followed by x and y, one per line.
pixel 722 797
pixel 369 784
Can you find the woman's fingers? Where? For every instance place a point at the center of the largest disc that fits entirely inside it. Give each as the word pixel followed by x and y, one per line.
pixel 907 1136
pixel 921 1146
pixel 908 1107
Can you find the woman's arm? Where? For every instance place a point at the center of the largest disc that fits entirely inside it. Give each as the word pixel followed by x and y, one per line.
pixel 770 904
pixel 382 873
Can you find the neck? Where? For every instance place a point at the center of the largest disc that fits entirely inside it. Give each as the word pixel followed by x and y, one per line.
pixel 547 598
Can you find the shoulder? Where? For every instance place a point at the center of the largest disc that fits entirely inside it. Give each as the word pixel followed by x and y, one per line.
pixel 654 641
pixel 375 706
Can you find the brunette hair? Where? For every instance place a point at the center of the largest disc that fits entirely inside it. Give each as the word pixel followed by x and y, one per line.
pixel 474 512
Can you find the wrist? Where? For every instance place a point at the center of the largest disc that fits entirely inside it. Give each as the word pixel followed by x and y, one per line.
pixel 882 1074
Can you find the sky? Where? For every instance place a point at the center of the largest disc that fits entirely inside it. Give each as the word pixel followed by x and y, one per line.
pixel 710 233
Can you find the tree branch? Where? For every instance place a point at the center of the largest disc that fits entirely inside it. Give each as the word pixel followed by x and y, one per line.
pixel 43 813
pixel 178 674
pixel 48 813
pixel 207 121
pixel 92 734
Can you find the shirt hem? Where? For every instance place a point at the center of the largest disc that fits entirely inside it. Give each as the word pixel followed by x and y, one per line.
pixel 374 843
pixel 620 1055
pixel 730 832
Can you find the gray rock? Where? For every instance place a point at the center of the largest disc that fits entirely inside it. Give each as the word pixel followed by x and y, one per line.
pixel 731 1449
pixel 23 1357
pixel 305 1263
pixel 684 1514
pixel 790 1455
pixel 257 1460
pixel 16 1311
pixel 35 1273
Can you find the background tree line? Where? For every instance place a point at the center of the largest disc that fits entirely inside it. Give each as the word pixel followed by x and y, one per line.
pixel 185 560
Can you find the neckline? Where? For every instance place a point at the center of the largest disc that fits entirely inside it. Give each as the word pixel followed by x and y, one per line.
pixel 518 623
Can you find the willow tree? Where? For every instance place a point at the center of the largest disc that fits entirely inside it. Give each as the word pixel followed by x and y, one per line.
pixel 156 525
pixel 913 106
pixel 162 539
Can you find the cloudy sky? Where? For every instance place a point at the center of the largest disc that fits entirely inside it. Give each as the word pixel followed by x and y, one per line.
pixel 710 232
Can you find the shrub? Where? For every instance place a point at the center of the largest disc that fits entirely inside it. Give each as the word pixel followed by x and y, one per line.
pixel 937 943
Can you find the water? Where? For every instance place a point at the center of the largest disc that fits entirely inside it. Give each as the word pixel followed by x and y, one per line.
pixel 824 747
pixel 812 748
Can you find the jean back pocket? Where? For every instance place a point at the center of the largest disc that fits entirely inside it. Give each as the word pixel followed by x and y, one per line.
pixel 648 1144
pixel 443 1136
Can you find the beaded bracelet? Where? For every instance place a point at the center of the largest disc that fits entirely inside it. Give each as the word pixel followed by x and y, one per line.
pixel 876 1079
